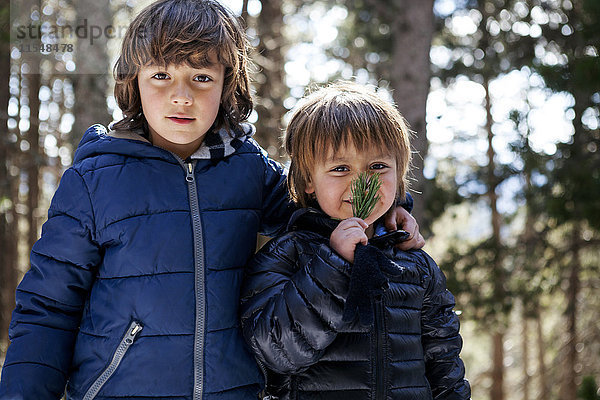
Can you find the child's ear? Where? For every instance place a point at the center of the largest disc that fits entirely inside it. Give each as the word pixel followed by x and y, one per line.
pixel 310 188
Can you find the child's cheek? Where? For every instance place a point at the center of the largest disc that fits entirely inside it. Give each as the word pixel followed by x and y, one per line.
pixel 389 187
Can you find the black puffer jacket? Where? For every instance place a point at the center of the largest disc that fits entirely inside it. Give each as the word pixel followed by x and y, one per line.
pixel 292 303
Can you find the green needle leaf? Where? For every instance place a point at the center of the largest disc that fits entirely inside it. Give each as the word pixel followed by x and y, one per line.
pixel 364 190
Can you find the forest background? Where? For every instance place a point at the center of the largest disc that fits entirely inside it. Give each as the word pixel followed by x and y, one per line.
pixel 504 100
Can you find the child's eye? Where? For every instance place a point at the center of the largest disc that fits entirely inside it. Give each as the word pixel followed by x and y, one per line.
pixel 379 166
pixel 160 76
pixel 202 78
pixel 341 168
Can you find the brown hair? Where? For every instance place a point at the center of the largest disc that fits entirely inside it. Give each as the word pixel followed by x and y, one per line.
pixel 184 31
pixel 332 117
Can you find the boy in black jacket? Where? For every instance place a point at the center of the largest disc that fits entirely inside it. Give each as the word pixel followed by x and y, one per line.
pixel 331 310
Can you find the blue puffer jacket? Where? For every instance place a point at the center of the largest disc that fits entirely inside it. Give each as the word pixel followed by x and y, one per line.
pixel 134 285
pixel 292 305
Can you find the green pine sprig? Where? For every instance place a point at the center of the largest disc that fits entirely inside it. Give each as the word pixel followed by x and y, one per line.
pixel 364 190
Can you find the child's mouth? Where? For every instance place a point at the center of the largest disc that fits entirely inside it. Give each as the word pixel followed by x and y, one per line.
pixel 181 120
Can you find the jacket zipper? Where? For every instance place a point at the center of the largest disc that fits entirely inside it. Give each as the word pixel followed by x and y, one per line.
pixel 199 279
pixel 134 329
pixel 379 329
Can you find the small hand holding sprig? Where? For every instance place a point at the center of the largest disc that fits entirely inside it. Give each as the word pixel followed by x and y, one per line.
pixel 367 281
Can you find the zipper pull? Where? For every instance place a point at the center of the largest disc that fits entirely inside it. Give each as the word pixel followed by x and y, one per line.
pixel 189 172
pixel 133 332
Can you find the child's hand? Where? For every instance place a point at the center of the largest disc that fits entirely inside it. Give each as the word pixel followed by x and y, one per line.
pixel 347 235
pixel 397 218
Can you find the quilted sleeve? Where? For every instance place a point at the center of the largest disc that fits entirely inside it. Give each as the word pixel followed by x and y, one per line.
pixel 292 303
pixel 441 339
pixel 277 206
pixel 51 296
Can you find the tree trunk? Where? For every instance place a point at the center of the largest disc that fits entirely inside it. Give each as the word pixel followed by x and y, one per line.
pixel 569 386
pixel 497 388
pixel 271 89
pixel 528 267
pixel 578 152
pixel 525 353
pixel 34 157
pixel 8 254
pixel 412 31
pixel 90 82
pixel 541 349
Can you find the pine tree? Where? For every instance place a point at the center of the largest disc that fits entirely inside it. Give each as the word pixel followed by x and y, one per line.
pixel 574 187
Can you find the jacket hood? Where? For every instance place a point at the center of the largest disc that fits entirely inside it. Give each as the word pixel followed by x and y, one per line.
pixel 99 140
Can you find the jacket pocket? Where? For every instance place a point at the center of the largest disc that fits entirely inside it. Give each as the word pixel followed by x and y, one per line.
pixel 134 329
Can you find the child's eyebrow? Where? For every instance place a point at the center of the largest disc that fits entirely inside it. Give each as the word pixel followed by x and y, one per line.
pixel 209 66
pixel 164 68
pixel 381 156
pixel 197 62
pixel 335 159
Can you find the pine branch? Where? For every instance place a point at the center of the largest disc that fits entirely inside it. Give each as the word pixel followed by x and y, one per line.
pixel 364 189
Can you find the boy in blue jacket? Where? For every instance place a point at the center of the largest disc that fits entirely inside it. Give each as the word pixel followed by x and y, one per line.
pixel 331 309
pixel 133 289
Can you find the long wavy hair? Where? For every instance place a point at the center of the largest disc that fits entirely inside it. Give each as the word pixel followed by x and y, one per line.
pixel 175 32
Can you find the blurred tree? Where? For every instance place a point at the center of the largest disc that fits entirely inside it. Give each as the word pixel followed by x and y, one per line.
pixel 8 248
pixel 93 69
pixel 31 82
pixel 572 65
pixel 483 53
pixel 269 78
pixel 544 392
pixel 528 251
pixel 559 40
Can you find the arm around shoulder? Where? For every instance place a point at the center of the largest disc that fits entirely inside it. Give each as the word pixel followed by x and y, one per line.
pixel 277 206
pixel 441 339
pixel 51 296
pixel 292 302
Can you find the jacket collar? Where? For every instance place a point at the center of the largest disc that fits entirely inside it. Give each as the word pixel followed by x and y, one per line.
pixel 223 142
pixel 217 143
pixel 314 220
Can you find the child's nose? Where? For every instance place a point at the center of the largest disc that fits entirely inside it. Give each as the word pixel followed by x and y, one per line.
pixel 181 96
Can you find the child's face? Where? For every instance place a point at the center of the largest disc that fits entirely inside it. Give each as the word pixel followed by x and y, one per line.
pixel 180 103
pixel 331 180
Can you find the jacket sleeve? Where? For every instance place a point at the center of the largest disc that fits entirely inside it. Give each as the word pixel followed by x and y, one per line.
pixel 291 311
pixel 441 339
pixel 50 298
pixel 277 206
